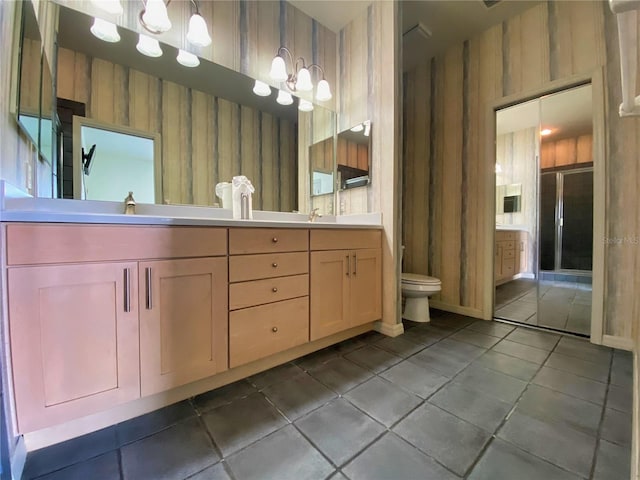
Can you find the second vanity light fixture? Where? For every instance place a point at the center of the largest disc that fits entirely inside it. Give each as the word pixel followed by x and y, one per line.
pixel 299 80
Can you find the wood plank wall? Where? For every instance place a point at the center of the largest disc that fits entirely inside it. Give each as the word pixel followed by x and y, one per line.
pixel 205 139
pixel 567 151
pixel 447 100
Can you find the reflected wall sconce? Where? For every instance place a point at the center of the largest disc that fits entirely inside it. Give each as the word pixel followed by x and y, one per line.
pixel 299 80
pixel 155 19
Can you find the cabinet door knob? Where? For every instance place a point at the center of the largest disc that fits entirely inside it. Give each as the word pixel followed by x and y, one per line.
pixel 274 265
pixel 274 239
pixel 274 289
pixel 274 329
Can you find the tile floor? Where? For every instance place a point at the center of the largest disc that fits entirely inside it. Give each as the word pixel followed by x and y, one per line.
pixel 562 306
pixel 454 399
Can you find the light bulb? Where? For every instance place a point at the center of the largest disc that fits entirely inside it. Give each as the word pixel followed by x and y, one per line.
pixel 261 89
pixel 148 46
pixel 198 34
pixel 357 128
pixel 187 59
pixel 114 7
pixel 155 16
pixel 323 93
pixel 278 69
pixel 105 31
pixel 303 84
pixel 284 98
pixel 305 105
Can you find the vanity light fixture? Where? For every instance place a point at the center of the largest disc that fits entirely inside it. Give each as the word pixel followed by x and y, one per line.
pixel 305 105
pixel 148 46
pixel 544 132
pixel 300 78
pixel 187 59
pixel 498 168
pixel 155 19
pixel 113 7
pixel 284 98
pixel 261 89
pixel 357 128
pixel 105 31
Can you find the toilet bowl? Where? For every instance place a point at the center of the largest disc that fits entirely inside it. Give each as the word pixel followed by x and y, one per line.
pixel 416 289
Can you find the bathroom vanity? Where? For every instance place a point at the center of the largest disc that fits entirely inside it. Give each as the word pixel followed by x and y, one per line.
pixel 510 254
pixel 112 316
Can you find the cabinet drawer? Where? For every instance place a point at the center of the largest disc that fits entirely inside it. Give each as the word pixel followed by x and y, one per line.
pixel 511 253
pixel 266 240
pixel 507 245
pixel 502 235
pixel 267 265
pixel 29 244
pixel 345 239
pixel 258 332
pixel 258 292
pixel 508 267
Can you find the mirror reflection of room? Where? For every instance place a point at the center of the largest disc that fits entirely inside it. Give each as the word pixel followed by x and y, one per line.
pixel 544 212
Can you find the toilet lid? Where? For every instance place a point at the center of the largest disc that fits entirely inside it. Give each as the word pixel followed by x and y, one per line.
pixel 415 278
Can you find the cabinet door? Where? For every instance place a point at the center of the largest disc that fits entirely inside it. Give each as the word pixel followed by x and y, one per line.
pixel 74 340
pixel 183 321
pixel 366 286
pixel 330 274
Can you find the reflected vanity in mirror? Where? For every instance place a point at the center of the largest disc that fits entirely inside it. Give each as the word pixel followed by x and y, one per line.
pixel 321 157
pixel 353 156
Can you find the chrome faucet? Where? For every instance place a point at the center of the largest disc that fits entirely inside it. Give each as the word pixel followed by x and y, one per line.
pixel 129 205
pixel 314 214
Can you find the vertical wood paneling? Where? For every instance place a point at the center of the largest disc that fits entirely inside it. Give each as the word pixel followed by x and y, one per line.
pixel 204 180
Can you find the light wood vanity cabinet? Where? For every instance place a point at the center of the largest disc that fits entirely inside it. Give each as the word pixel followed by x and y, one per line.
pixel 346 273
pixel 268 293
pixel 510 255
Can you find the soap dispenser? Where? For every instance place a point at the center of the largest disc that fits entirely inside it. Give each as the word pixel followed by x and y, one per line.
pixel 129 205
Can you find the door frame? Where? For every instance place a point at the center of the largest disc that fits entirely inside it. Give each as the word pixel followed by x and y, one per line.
pixel 596 79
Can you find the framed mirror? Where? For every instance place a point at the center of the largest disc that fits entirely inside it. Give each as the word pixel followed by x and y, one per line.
pixel 353 156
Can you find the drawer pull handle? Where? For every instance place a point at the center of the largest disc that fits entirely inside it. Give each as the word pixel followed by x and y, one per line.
pixel 274 329
pixel 274 289
pixel 348 265
pixel 127 290
pixel 274 239
pixel 149 299
pixel 274 265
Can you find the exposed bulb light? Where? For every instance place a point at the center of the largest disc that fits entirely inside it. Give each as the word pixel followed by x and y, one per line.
pixel 198 35
pixel 303 84
pixel 545 132
pixel 113 7
pixel 148 46
pixel 155 17
pixel 105 31
pixel 367 128
pixel 187 59
pixel 498 168
pixel 357 128
pixel 278 69
pixel 284 98
pixel 323 93
pixel 261 89
pixel 305 105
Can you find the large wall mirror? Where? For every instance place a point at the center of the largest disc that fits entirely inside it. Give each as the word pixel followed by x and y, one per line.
pixel 208 124
pixel 353 156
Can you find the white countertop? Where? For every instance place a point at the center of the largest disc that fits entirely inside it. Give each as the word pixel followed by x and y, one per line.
pixel 19 207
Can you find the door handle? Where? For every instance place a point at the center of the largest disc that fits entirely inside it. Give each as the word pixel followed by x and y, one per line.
pixel 355 262
pixel 149 299
pixel 348 265
pixel 127 290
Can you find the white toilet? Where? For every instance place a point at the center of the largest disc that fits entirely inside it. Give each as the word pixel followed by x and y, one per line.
pixel 417 289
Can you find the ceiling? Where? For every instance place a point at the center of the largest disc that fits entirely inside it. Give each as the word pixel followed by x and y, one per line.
pixel 444 22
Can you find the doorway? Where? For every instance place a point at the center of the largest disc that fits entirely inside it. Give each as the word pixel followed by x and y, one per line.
pixel 544 212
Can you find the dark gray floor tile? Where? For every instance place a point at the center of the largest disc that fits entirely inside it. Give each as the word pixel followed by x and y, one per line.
pixel 440 332
pixel 340 375
pixel 612 461
pixel 172 454
pixel 104 467
pixel 439 361
pixel 315 359
pixel 393 458
pixel 145 425
pixel 419 380
pixel 421 336
pixel 559 408
pixel 242 422
pixel 482 410
pixel 616 427
pixel 350 345
pixel 275 375
pixel 571 384
pixel 509 365
pixel 450 320
pixel 383 400
pixel 475 338
pixel 72 451
pixel 371 337
pixel 215 472
pixel 399 346
pixel 503 461
pixel 533 338
pixel 338 476
pixel 519 350
pixel 283 455
pixel 582 349
pixel 298 396
pixel 450 440
pixel 339 430
pixel 372 358
pixel 223 395
pixel 461 350
pixel 492 383
pixel 622 369
pixel 620 398
pixel 495 329
pixel 562 446
pixel 594 371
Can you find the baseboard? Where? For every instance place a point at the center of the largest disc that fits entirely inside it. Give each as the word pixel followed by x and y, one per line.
pixel 390 330
pixel 18 459
pixel 468 311
pixel 635 422
pixel 617 342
